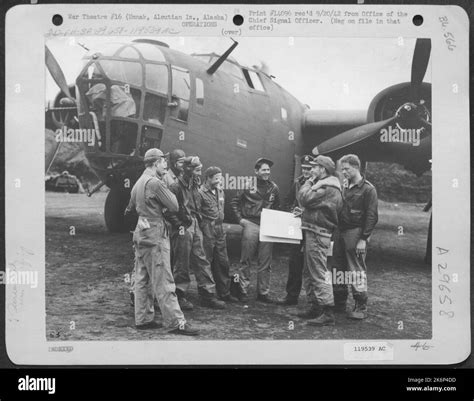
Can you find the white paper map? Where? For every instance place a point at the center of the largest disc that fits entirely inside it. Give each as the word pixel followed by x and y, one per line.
pixel 277 226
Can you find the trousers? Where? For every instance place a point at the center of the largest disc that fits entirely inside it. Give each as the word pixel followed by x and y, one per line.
pixel 153 277
pixel 316 275
pixel 251 245
pixel 188 251
pixel 345 260
pixel 215 247
pixel 295 272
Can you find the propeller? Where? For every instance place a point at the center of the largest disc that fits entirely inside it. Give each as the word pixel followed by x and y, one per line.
pixel 407 113
pixel 421 56
pixel 67 102
pixel 57 73
pixel 352 136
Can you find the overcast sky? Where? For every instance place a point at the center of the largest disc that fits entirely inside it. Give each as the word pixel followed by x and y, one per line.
pixel 314 70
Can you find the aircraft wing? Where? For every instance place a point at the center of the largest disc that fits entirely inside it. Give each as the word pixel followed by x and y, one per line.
pixel 315 119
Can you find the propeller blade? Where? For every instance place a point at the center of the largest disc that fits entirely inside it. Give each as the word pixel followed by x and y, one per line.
pixel 351 137
pixel 421 57
pixel 57 73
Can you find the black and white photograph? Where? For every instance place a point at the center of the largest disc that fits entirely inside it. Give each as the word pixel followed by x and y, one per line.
pixel 237 185
pixel 238 188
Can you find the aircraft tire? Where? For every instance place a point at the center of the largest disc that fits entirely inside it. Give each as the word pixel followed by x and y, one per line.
pixel 115 204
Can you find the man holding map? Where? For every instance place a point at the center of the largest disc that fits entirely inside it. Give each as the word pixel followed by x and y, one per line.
pixel 247 207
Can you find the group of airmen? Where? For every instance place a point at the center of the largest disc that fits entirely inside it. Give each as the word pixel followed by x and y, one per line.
pixel 180 229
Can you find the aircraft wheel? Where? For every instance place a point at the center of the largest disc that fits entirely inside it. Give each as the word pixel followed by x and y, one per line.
pixel 115 204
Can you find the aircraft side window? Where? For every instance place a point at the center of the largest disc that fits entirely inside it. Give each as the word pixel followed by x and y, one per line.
pixel 284 114
pixel 129 52
pixel 150 138
pixel 155 109
pixel 253 80
pixel 150 52
pixel 199 92
pixel 157 78
pixel 257 83
pixel 109 49
pixel 124 71
pixel 181 92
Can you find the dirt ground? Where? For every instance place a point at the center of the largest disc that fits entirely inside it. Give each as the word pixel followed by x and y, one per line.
pixel 85 283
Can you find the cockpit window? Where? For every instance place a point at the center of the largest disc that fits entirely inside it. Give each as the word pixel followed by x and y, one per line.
pixel 150 52
pixel 199 92
pixel 157 77
pixel 129 52
pixel 108 49
pixel 253 80
pixel 181 84
pixel 181 92
pixel 124 71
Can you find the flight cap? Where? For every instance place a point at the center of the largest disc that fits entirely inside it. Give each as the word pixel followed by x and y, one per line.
pixel 325 162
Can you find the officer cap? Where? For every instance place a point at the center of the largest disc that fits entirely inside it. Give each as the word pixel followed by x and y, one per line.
pixel 261 161
pixel 153 154
pixel 325 162
pixel 306 161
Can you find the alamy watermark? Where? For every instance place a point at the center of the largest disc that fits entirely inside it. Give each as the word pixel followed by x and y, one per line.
pixel 240 182
pixel 23 277
pixel 355 278
pixel 78 135
pixel 401 135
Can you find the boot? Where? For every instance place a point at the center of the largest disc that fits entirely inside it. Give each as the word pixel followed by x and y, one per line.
pixel 185 330
pixel 212 303
pixel 184 304
pixel 325 319
pixel 340 298
pixel 266 299
pixel 312 312
pixel 229 299
pixel 360 309
pixel 340 307
pixel 287 301
pixel 244 298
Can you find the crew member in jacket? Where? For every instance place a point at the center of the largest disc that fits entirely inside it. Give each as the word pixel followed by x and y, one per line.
pixel 247 207
pixel 296 262
pixel 187 240
pixel 321 200
pixel 358 219
pixel 214 238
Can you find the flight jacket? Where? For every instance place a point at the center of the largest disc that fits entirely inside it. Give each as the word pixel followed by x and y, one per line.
pixel 360 208
pixel 189 201
pixel 248 204
pixel 322 204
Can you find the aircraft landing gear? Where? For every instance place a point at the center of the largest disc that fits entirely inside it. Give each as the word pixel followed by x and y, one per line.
pixel 115 204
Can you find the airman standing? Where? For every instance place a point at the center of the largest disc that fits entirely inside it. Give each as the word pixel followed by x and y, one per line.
pixel 322 204
pixel 153 275
pixel 247 207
